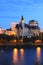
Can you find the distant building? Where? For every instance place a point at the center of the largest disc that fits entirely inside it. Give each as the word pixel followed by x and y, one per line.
pixel 34 27
pixel 13 28
pixel 33 23
pixel 22 28
pixel 2 31
pixel 28 29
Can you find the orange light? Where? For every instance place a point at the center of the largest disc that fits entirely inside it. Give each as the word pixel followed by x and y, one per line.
pixel 15 55
pixel 21 40
pixel 22 53
pixel 15 41
pixel 38 41
pixel 14 33
pixel 38 52
pixel 15 50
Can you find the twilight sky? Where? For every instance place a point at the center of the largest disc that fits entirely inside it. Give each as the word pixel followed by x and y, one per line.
pixel 12 10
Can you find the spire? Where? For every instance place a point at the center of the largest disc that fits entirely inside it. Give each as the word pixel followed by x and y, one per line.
pixel 22 19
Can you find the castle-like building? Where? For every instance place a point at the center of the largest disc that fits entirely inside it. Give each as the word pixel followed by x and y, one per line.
pixel 30 29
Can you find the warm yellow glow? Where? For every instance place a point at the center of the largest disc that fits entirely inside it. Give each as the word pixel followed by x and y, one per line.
pixel 15 51
pixel 38 41
pixel 21 40
pixel 15 55
pixel 9 32
pixel 15 40
pixel 14 33
pixel 38 51
pixel 22 53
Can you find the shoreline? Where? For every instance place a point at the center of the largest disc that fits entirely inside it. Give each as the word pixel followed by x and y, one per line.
pixel 20 45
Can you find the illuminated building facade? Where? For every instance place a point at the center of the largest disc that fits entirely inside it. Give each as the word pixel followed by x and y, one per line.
pixel 33 23
pixel 9 32
pixel 13 28
pixel 34 27
pixel 28 29
pixel 22 28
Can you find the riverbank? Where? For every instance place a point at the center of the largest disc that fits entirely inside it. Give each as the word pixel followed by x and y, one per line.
pixel 28 45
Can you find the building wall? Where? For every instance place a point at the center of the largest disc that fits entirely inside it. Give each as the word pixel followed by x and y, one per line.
pixel 13 28
pixel 11 33
pixel 23 32
pixel 34 32
pixel 33 23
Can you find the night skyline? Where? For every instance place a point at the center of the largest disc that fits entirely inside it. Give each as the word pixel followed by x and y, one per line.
pixel 12 10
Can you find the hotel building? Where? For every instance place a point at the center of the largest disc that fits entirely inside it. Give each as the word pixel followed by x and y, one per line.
pixel 22 28
pixel 30 29
pixel 34 27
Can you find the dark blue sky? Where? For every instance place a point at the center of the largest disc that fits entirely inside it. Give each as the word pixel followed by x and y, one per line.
pixel 12 10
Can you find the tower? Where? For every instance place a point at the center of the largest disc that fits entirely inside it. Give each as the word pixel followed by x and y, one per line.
pixel 22 19
pixel 22 23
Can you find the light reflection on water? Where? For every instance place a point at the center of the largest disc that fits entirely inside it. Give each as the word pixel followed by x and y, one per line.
pixel 17 60
pixel 21 56
pixel 15 55
pixel 38 53
pixel 22 53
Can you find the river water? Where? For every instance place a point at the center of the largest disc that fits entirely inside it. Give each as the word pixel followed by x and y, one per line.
pixel 21 56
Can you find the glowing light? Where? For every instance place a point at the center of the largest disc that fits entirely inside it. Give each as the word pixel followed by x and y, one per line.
pixel 15 40
pixel 14 33
pixel 21 40
pixel 15 55
pixel 38 41
pixel 38 51
pixel 22 53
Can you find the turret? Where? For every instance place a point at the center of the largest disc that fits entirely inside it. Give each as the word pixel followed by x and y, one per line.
pixel 22 19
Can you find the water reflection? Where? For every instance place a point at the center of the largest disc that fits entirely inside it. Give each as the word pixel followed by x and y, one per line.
pixel 15 56
pixel 21 57
pixel 18 56
pixel 38 52
pixel 2 51
pixel 22 53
